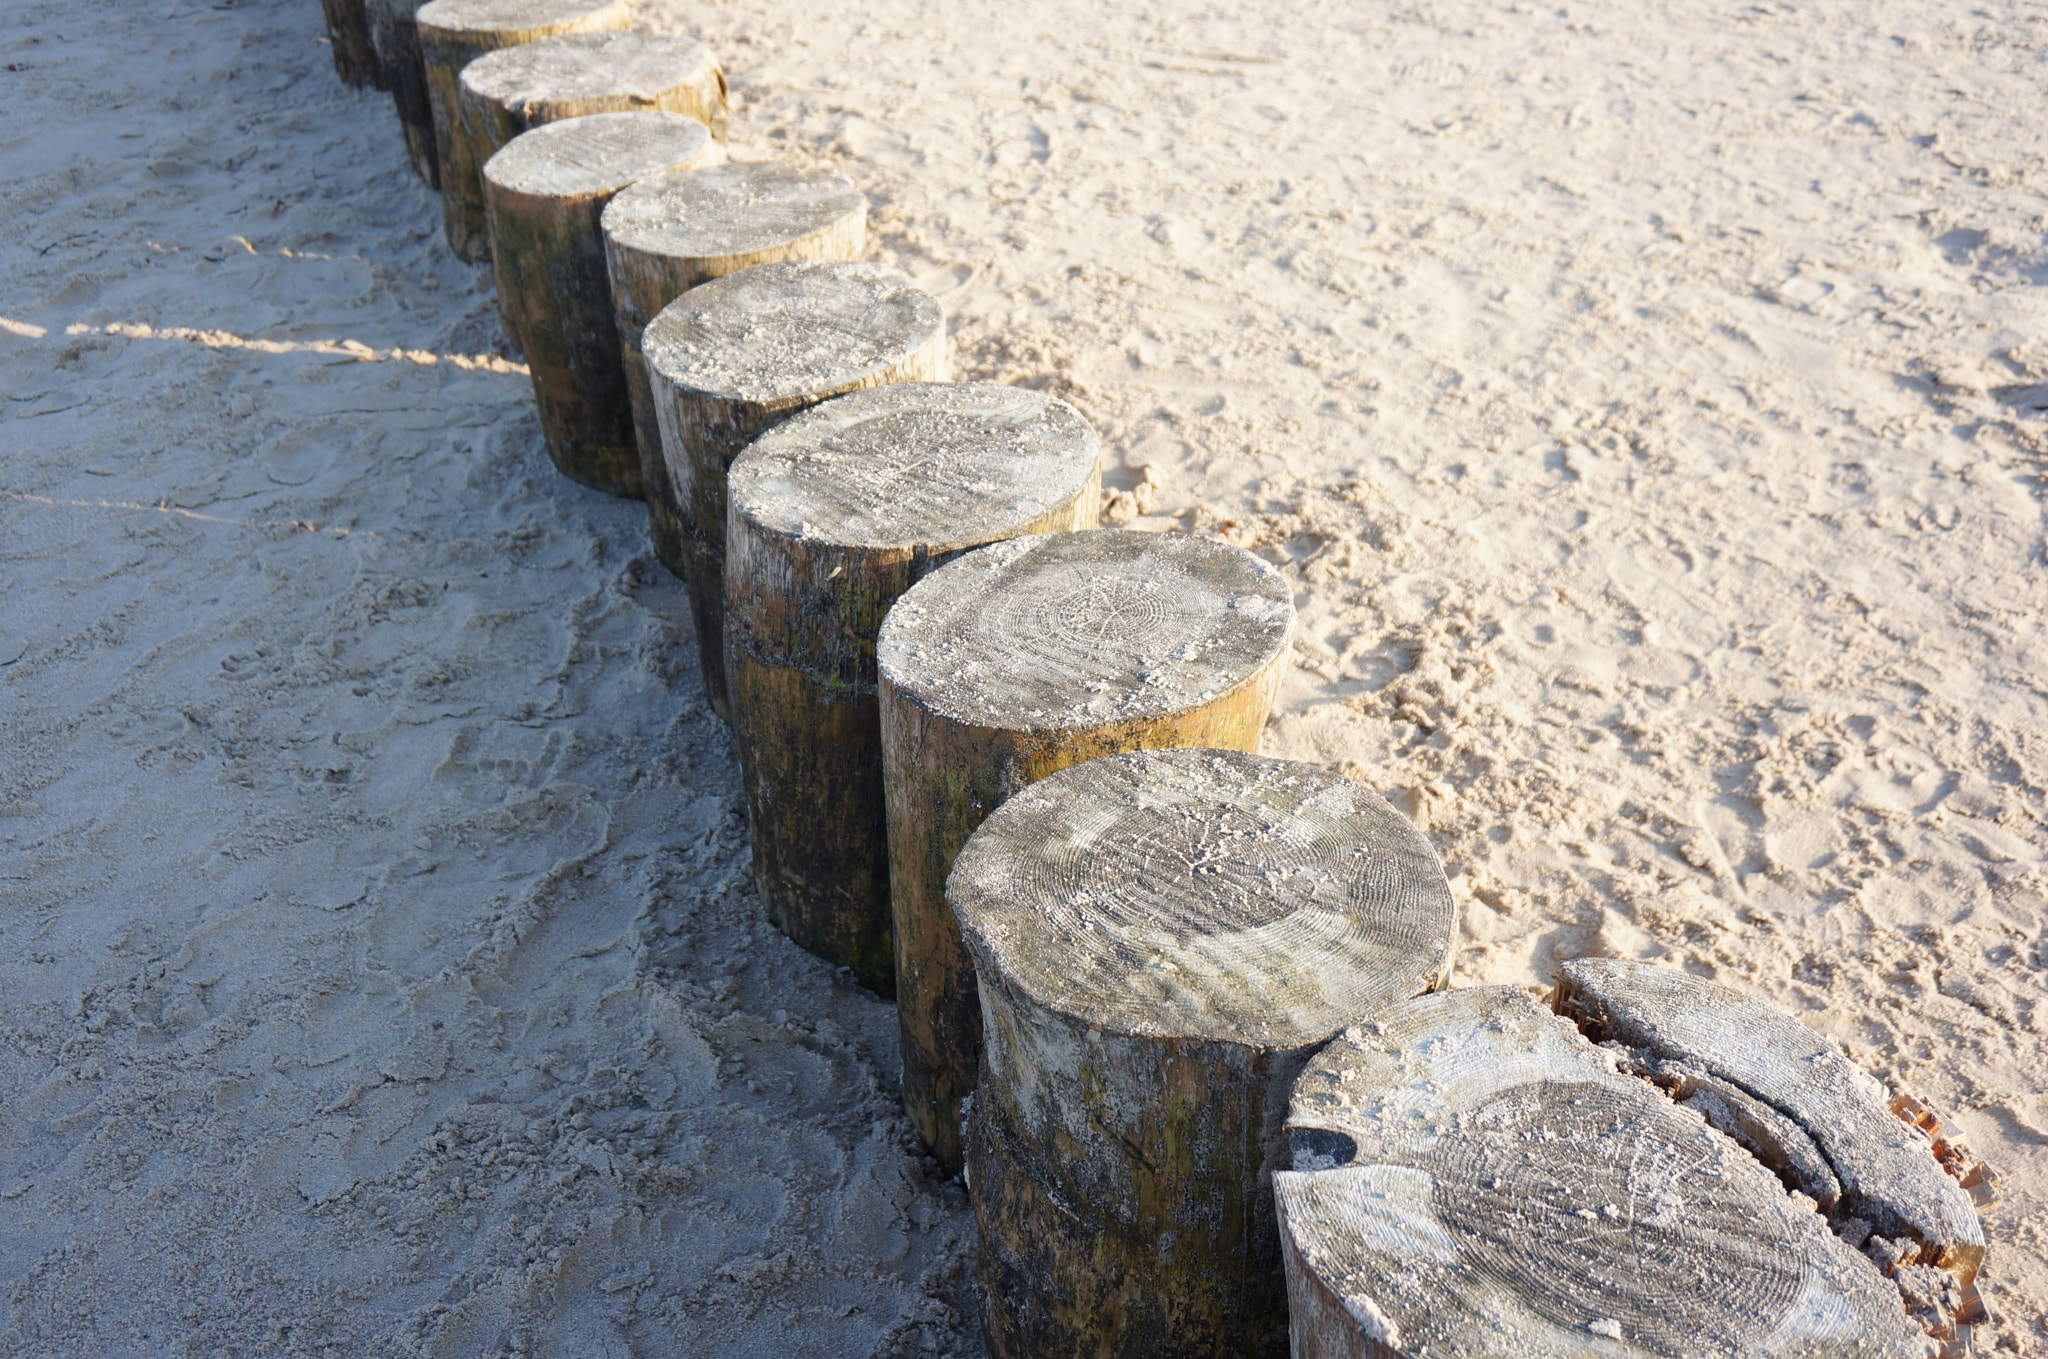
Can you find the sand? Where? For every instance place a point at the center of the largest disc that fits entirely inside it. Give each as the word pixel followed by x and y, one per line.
pixel 1645 401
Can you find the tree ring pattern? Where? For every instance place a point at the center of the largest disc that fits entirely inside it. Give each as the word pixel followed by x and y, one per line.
pixel 1591 1204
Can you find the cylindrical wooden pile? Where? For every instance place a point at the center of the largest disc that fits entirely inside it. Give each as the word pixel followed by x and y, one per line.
pixel 1013 663
pixel 744 352
pixel 669 233
pixel 1163 939
pixel 546 192
pixel 454 33
pixel 999 766
pixel 832 516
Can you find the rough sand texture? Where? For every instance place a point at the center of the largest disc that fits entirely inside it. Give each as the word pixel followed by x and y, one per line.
pixel 1644 401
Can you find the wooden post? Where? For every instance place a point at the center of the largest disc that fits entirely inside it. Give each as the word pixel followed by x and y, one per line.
pixel 732 357
pixel 1163 939
pixel 666 235
pixel 1017 661
pixel 355 54
pixel 833 514
pixel 546 192
pixel 454 33
pixel 1473 1175
pixel 507 92
pixel 395 34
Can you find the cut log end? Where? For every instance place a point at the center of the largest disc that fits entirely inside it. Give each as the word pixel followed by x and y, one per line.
pixel 595 156
pixel 512 20
pixel 785 336
pixel 917 467
pixel 1472 1173
pixel 607 72
pixel 719 221
pixel 1206 894
pixel 1088 630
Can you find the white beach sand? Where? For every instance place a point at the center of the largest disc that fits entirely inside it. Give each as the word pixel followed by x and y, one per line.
pixel 1646 398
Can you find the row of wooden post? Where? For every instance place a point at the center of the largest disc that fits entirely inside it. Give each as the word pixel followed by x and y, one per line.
pixel 998 764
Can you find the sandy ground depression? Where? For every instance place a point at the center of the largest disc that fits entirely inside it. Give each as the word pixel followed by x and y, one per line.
pixel 1648 401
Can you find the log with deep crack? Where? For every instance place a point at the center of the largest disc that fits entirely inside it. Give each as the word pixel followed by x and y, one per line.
pixel 1474 1174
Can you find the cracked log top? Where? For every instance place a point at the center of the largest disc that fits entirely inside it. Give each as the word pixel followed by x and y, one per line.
pixel 1163 938
pixel 1879 1167
pixel 665 235
pixel 1015 662
pixel 453 33
pixel 395 37
pixel 735 356
pixel 545 192
pixel 1473 1175
pixel 833 514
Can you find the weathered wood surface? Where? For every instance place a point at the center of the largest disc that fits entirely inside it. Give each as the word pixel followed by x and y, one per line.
pixel 395 34
pixel 354 51
pixel 1472 1175
pixel 453 33
pixel 1013 663
pixel 1887 1175
pixel 832 515
pixel 506 92
pixel 546 192
pixel 665 235
pixel 734 356
pixel 1163 938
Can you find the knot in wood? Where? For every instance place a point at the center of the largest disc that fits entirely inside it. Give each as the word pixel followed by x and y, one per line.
pixel 783 332
pixel 596 154
pixel 740 208
pixel 1078 630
